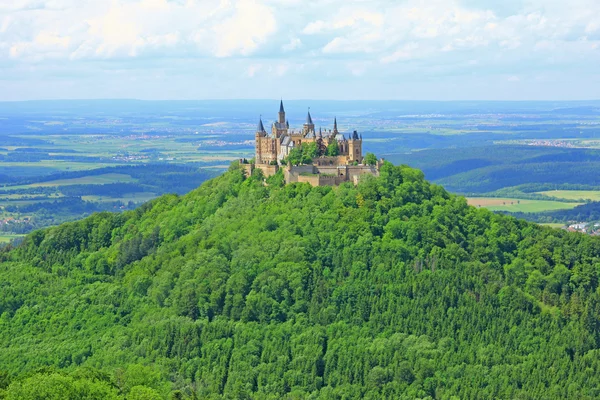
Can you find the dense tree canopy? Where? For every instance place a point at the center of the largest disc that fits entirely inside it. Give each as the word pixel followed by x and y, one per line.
pixel 393 288
pixel 333 149
pixel 370 159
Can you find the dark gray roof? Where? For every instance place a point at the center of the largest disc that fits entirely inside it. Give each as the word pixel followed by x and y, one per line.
pixel 260 127
pixel 281 106
pixel 309 120
pixel 286 141
pixel 355 135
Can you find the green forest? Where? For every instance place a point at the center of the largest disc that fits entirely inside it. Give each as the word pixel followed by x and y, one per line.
pixel 391 289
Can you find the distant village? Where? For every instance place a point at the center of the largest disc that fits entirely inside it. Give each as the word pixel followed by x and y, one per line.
pixel 10 221
pixel 588 228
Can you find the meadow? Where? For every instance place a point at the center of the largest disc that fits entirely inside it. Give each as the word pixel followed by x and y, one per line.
pixel 8 237
pixel 84 180
pixel 591 195
pixel 518 205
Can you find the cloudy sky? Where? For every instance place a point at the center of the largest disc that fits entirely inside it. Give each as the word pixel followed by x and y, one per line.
pixel 326 49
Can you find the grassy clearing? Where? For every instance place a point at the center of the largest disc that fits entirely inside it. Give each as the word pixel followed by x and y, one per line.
pixel 552 225
pixel 518 205
pixel 7 237
pixel 593 195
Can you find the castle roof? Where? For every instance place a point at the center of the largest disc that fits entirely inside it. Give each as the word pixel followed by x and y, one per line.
pixel 309 120
pixel 260 127
pixel 286 141
pixel 355 135
pixel 281 106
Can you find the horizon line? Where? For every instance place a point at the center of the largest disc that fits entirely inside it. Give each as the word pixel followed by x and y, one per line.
pixel 307 99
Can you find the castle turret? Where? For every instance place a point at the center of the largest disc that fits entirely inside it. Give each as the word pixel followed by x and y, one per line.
pixel 260 128
pixel 309 126
pixel 335 128
pixel 355 148
pixel 260 137
pixel 281 113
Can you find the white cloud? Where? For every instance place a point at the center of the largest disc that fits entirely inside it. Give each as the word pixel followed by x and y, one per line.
pixel 376 40
pixel 292 45
pixel 245 30
pixel 253 69
pixel 314 27
pixel 405 53
pixel 130 28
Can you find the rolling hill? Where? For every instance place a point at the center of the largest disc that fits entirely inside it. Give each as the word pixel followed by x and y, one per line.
pixel 391 289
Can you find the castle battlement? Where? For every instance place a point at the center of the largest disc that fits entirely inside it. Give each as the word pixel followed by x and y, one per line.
pixel 272 150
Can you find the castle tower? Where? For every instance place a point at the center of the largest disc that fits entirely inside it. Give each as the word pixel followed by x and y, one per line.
pixel 259 138
pixel 335 128
pixel 308 126
pixel 261 128
pixel 355 148
pixel 281 126
pixel 281 113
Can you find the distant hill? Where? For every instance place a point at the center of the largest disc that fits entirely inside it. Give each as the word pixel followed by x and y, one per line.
pixel 391 289
pixel 489 168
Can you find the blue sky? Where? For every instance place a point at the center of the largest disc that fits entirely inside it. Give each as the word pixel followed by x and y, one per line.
pixel 326 49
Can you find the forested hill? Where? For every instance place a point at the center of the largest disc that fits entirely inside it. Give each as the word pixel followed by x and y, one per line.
pixel 391 289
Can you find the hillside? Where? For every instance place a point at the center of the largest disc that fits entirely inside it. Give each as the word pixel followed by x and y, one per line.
pixel 391 289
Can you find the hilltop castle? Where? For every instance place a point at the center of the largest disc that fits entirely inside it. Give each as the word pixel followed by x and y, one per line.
pixel 273 149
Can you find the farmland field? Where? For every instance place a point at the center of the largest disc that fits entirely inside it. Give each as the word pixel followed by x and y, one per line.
pixel 7 237
pixel 84 180
pixel 593 195
pixel 518 205
pixel 554 225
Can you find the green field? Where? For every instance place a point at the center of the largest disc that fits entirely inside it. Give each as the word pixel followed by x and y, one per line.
pixel 518 205
pixel 138 197
pixel 89 180
pixel 552 225
pixel 7 237
pixel 84 180
pixel 593 195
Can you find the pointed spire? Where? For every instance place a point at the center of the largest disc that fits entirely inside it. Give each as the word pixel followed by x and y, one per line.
pixel 335 124
pixel 281 106
pixel 260 127
pixel 287 124
pixel 309 120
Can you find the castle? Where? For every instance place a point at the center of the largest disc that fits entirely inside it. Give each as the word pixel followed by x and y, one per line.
pixel 343 164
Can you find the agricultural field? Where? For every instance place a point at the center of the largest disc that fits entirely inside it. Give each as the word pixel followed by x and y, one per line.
pixel 84 180
pixel 518 205
pixel 7 237
pixel 554 225
pixel 591 195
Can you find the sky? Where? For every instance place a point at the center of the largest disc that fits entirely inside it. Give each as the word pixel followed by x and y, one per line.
pixel 300 49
